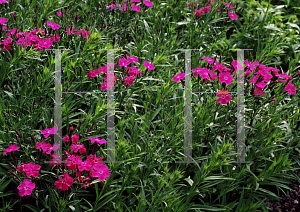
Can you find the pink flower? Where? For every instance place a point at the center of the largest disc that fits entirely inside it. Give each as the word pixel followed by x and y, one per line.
pixel 58 13
pixel 77 147
pixel 178 77
pixel 73 31
pixel 129 80
pixel 206 9
pixel 254 79
pixel 101 171
pixel 237 65
pixel 66 139
pixel 102 141
pixel 3 1
pixel 258 91
pixel 26 187
pixel 72 161
pixel 133 71
pixel 64 184
pixel 290 88
pixel 68 31
pixel 3 20
pixel 11 148
pixel 209 60
pixel 274 99
pixel 124 62
pixel 71 128
pixel 30 169
pixel 132 59
pixel 228 5
pixel 51 131
pixel 125 7
pixel 135 1
pixel 232 15
pixel 56 159
pixel 149 65
pixel 261 85
pixel 199 12
pixel 112 6
pixel 75 138
pixel 225 77
pixel 218 66
pixel 225 97
pixel 4 27
pixel 148 3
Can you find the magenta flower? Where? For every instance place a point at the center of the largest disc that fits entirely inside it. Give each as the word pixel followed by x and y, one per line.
pixel 224 97
pixel 236 65
pixel 258 91
pixel 261 85
pixel 101 171
pixel 254 79
pixel 199 12
pixel 26 187
pixel 30 169
pixel 112 6
pixel 66 139
pixel 290 88
pixel 65 183
pixel 135 1
pixel 274 99
pixel 149 65
pixel 58 13
pixel 53 25
pixel 102 141
pixel 132 59
pixel 11 148
pixel 75 138
pixel 71 128
pixel 123 9
pixel 3 1
pixel 178 77
pixel 148 3
pixel 218 66
pixel 228 5
pixel 232 15
pixel 133 71
pixel 226 77
pixel 124 62
pixel 49 131
pixel 3 20
pixel 209 60
pixel 79 148
pixel 56 159
pixel 129 80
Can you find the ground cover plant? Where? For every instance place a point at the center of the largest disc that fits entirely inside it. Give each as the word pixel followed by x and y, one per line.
pixel 149 81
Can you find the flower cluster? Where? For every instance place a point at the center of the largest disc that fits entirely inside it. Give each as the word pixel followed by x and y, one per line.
pixel 136 8
pixel 132 71
pixel 32 39
pixel 92 164
pixel 206 9
pixel 263 73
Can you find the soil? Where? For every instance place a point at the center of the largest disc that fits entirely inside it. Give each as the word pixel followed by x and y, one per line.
pixel 287 203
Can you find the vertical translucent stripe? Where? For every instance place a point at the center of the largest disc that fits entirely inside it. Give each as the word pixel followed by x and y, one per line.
pixel 240 109
pixel 187 109
pixel 57 109
pixel 110 107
